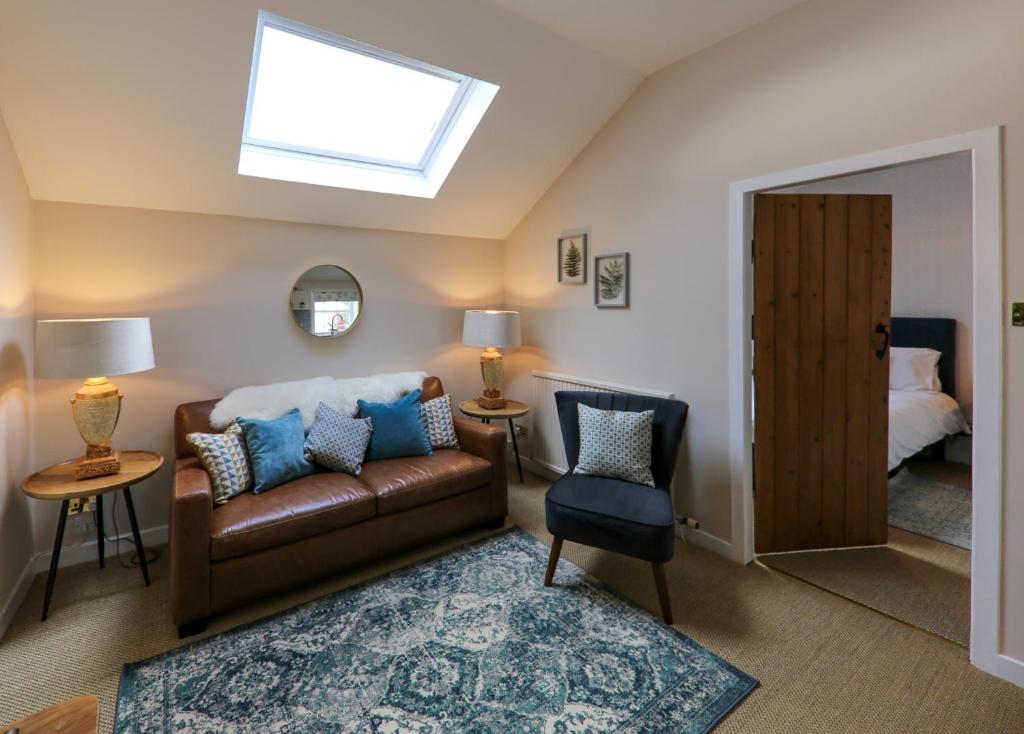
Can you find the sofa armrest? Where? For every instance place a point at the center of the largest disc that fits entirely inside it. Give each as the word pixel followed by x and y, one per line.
pixel 191 518
pixel 488 442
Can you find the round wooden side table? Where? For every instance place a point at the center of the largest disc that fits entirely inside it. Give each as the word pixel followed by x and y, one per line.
pixel 58 482
pixel 512 410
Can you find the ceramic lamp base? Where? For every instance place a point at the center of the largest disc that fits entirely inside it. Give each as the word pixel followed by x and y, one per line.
pixel 96 408
pixel 492 371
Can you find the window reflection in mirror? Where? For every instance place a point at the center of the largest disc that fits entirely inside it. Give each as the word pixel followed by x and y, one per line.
pixel 326 301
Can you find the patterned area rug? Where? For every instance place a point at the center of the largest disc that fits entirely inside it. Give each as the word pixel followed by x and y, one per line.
pixel 933 509
pixel 467 642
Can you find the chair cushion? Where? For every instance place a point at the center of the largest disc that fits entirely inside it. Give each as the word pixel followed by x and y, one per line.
pixel 615 444
pixel 301 508
pixel 411 481
pixel 619 516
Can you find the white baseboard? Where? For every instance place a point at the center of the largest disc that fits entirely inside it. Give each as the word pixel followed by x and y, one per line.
pixel 13 602
pixel 541 469
pixel 706 540
pixel 86 552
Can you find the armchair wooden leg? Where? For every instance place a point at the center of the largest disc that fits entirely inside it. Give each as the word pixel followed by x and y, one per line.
pixel 556 550
pixel 662 585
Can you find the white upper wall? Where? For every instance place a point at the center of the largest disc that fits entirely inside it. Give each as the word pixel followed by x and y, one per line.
pixel 141 105
pixel 931 244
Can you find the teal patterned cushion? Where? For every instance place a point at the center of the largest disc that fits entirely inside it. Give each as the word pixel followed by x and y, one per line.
pixel 276 450
pixel 437 419
pixel 337 442
pixel 225 459
pixel 616 444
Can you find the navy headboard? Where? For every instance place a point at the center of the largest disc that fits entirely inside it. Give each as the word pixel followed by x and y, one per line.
pixel 937 334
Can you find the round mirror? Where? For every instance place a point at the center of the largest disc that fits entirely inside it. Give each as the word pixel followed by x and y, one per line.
pixel 326 301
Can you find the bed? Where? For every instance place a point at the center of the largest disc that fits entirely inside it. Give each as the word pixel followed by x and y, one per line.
pixel 919 419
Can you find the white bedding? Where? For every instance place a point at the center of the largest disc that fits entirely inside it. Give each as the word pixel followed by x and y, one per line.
pixel 918 419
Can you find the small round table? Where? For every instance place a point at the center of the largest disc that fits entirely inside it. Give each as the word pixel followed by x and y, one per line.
pixel 512 410
pixel 58 482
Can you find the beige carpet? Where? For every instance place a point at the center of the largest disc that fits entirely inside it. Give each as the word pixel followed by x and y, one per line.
pixel 825 665
pixel 915 579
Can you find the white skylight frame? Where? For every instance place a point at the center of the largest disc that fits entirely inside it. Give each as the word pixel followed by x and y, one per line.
pixel 291 162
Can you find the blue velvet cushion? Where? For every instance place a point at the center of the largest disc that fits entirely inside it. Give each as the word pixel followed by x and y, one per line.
pixel 276 450
pixel 397 428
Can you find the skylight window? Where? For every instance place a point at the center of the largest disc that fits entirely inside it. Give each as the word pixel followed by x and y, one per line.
pixel 327 110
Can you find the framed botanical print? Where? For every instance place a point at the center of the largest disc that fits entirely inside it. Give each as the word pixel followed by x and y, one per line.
pixel 611 280
pixel 572 259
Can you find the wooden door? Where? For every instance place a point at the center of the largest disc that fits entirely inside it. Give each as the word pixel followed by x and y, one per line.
pixel 822 274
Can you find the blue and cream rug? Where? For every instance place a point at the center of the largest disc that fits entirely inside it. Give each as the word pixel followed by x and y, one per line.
pixel 467 642
pixel 929 508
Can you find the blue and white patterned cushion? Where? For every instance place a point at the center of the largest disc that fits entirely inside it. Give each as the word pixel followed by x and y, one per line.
pixel 616 444
pixel 338 442
pixel 225 459
pixel 437 420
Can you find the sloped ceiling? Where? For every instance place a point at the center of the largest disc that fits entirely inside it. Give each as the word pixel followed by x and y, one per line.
pixel 646 34
pixel 140 104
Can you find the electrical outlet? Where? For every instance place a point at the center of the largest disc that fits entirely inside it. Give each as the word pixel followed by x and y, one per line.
pixel 74 506
pixel 1017 314
pixel 521 431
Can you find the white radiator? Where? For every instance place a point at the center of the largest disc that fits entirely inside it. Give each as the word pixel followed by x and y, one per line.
pixel 548 453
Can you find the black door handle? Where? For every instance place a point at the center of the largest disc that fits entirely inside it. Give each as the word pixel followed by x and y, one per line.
pixel 884 331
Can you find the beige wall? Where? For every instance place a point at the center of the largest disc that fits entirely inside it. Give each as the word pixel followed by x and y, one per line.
pixel 931 244
pixel 217 289
pixel 824 81
pixel 16 337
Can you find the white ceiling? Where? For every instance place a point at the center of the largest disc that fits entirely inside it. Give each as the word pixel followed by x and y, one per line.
pixel 646 34
pixel 140 104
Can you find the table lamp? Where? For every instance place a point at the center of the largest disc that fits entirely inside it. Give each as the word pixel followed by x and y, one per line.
pixel 491 329
pixel 92 349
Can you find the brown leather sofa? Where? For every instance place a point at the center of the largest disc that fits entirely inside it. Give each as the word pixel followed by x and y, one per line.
pixel 227 555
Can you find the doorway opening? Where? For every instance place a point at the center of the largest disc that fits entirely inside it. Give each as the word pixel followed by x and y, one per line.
pixel 862 363
pixel 987 571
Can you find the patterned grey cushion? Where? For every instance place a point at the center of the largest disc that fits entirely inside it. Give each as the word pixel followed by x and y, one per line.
pixel 437 420
pixel 616 444
pixel 225 459
pixel 338 442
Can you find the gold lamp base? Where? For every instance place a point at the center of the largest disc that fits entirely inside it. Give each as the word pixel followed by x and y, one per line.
pixel 96 408
pixel 492 371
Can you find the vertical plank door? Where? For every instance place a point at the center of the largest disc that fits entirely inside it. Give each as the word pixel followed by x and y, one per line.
pixel 822 279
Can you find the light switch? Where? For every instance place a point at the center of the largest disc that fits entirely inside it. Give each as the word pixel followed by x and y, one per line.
pixel 1017 314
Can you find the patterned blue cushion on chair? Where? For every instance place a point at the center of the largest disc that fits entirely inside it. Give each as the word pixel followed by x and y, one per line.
pixel 616 444
pixel 338 442
pixel 437 419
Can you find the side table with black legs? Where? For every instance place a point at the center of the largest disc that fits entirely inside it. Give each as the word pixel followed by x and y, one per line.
pixel 513 409
pixel 58 482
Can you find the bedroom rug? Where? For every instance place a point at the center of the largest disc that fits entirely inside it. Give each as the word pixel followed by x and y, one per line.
pixel 914 579
pixel 470 641
pixel 930 508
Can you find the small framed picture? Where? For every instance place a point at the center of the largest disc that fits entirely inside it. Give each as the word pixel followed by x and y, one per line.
pixel 572 259
pixel 611 280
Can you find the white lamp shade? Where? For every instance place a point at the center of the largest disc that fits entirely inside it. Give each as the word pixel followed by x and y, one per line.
pixel 81 348
pixel 491 329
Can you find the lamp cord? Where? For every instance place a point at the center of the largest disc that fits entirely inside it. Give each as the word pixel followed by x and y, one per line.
pixel 133 561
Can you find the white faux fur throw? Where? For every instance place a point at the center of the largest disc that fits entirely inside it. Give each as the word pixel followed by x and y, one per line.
pixel 266 402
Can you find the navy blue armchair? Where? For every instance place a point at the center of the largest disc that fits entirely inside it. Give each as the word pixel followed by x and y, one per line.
pixel 612 514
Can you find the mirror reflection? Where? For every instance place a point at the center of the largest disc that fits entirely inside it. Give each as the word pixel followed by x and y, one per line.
pixel 326 301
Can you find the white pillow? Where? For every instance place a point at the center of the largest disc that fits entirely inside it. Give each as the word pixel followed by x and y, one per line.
pixel 914 369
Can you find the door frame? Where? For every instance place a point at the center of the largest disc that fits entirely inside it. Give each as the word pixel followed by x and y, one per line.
pixel 987 468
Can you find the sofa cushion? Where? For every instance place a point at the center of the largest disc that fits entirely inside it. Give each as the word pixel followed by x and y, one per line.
pixel 301 508
pixel 619 516
pixel 411 481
